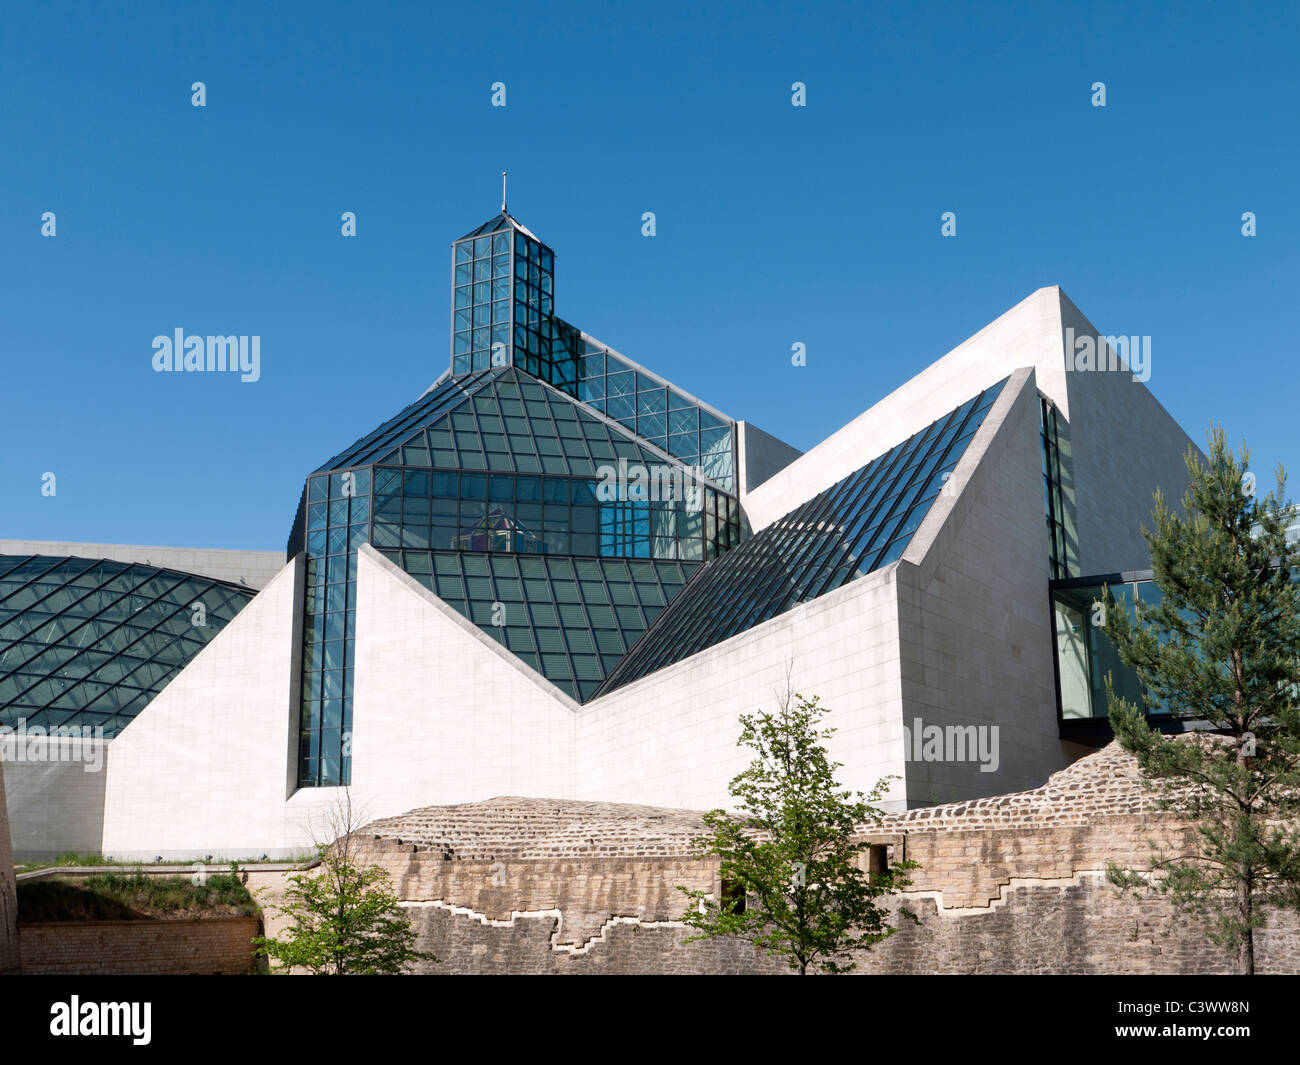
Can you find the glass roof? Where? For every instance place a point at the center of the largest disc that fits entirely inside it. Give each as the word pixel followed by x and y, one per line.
pixel 89 642
pixel 570 619
pixel 428 408
pixel 652 408
pixel 513 422
pixel 514 495
pixel 504 220
pixel 503 313
pixel 859 525
pixel 502 419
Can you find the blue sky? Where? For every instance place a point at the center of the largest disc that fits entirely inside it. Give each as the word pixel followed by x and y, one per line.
pixel 774 223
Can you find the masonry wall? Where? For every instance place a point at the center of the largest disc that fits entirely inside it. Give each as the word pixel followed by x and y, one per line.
pixel 1044 931
pixel 212 946
pixel 988 901
pixel 8 892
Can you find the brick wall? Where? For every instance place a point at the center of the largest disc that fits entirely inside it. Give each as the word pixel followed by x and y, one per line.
pixel 104 948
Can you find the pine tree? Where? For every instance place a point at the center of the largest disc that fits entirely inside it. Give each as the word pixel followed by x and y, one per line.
pixel 1222 647
pixel 791 858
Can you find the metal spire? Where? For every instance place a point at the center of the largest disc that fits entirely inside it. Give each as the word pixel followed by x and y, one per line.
pixel 503 192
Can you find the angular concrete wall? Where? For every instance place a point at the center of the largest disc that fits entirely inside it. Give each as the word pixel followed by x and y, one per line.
pixel 974 624
pixel 442 712
pixel 1027 335
pixel 670 738
pixel 760 456
pixel 1124 445
pixel 57 807
pixel 1119 444
pixel 203 769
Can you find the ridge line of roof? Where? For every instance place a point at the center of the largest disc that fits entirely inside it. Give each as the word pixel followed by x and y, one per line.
pixel 697 472
pixel 650 373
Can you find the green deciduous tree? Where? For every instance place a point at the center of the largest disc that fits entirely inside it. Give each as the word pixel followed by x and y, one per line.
pixel 346 919
pixel 791 856
pixel 1223 646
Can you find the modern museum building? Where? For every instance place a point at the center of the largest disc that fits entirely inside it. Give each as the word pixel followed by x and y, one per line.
pixel 557 574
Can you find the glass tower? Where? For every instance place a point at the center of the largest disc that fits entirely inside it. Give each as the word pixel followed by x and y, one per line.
pixel 551 490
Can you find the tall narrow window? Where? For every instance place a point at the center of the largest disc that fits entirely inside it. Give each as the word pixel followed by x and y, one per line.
pixel 1053 500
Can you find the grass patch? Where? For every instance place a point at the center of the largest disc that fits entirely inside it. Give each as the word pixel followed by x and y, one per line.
pixel 72 858
pixel 69 858
pixel 113 896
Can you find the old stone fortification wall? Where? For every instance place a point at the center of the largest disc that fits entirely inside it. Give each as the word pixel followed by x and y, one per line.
pixel 1013 883
pixel 8 892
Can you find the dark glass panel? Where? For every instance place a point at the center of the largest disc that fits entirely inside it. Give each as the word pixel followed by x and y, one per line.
pixel 114 633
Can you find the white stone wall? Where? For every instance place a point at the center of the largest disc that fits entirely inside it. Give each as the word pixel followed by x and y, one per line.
pixel 669 739
pixel 1027 335
pixel 56 807
pixel 202 770
pixel 252 568
pixel 1124 445
pixel 442 713
pixel 975 628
